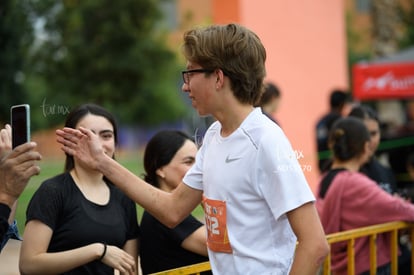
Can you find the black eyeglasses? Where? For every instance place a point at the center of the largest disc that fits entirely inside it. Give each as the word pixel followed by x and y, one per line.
pixel 187 74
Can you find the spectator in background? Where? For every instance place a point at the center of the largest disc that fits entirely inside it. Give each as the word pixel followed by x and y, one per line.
pixel 17 166
pixel 270 100
pixel 339 105
pixel 168 156
pixel 348 199
pixel 408 187
pixel 379 173
pixel 410 166
pixel 407 129
pixel 402 139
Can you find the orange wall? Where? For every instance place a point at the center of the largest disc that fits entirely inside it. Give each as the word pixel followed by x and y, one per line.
pixel 306 58
pixel 226 11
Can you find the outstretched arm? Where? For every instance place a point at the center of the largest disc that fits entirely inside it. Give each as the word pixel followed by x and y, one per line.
pixel 169 208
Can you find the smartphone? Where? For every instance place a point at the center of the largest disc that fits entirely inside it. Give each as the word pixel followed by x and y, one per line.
pixel 20 124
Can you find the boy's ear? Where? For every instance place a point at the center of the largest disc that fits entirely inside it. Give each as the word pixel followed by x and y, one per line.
pixel 220 78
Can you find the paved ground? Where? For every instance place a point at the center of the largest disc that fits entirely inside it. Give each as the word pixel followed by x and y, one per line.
pixel 9 258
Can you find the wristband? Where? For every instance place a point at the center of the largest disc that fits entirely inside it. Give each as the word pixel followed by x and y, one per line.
pixel 103 253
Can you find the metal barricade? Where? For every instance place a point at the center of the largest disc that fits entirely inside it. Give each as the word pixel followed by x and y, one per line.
pixel 371 232
pixel 194 269
pixel 348 236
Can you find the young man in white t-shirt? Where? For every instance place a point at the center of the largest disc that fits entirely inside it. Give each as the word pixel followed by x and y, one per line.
pixel 260 211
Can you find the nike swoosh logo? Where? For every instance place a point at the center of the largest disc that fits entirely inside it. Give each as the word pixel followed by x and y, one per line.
pixel 228 159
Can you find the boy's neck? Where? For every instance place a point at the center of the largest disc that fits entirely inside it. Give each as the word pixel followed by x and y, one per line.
pixel 232 119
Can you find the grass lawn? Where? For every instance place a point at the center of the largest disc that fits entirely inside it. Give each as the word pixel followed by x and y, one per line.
pixel 52 167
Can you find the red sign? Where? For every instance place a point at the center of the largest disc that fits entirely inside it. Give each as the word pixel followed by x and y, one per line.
pixel 382 81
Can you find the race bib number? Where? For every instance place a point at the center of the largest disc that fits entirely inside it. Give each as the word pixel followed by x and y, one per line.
pixel 215 214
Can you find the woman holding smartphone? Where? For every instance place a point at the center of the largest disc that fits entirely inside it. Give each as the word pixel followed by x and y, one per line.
pixel 78 222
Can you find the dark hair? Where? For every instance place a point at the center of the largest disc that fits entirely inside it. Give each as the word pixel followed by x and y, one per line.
pixel 338 99
pixel 347 138
pixel 77 114
pixel 160 150
pixel 364 112
pixel 234 49
pixel 270 91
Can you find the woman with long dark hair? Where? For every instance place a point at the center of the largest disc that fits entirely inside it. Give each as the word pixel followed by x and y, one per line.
pixel 168 156
pixel 78 222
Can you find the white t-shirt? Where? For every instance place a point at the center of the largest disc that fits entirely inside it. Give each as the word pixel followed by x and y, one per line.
pixel 253 178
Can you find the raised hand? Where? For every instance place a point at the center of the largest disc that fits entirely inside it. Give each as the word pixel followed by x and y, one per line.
pixel 82 144
pixel 16 167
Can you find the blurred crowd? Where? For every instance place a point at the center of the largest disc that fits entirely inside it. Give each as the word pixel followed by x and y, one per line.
pixel 392 146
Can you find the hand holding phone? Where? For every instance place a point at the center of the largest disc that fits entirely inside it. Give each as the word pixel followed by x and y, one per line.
pixel 20 124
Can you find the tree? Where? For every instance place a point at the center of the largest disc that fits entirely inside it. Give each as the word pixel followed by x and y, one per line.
pixel 107 52
pixel 385 22
pixel 406 12
pixel 15 31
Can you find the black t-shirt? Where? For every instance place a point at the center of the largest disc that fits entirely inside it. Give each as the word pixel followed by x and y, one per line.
pixel 77 222
pixel 382 175
pixel 161 246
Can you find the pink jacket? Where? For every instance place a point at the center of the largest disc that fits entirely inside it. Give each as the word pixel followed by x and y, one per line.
pixel 353 200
